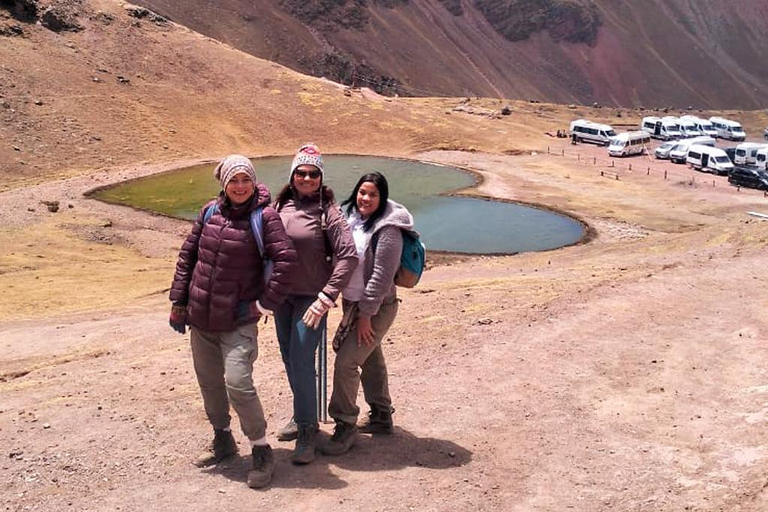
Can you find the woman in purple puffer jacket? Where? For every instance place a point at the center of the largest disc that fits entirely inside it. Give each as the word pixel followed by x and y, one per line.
pixel 219 291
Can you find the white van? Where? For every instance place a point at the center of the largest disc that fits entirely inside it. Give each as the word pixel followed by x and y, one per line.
pixel 664 128
pixel 688 127
pixel 709 159
pixel 679 153
pixel 761 159
pixel 629 143
pixel 587 131
pixel 746 153
pixel 727 129
pixel 703 125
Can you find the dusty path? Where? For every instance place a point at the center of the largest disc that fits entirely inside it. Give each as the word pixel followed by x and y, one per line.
pixel 624 374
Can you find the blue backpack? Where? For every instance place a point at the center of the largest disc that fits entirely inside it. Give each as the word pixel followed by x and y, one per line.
pixel 257 226
pixel 412 260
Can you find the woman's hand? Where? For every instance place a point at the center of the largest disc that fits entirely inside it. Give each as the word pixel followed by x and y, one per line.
pixel 365 332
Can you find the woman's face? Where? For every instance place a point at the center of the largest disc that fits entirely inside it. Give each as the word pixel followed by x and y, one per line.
pixel 307 179
pixel 240 188
pixel 368 199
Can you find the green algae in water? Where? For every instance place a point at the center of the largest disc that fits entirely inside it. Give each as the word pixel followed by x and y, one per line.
pixel 456 224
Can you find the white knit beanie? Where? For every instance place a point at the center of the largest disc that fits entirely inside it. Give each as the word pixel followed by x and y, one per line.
pixel 308 154
pixel 232 165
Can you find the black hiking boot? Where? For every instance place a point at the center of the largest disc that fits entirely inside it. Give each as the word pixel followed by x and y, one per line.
pixel 379 421
pixel 222 447
pixel 263 467
pixel 343 438
pixel 289 432
pixel 306 444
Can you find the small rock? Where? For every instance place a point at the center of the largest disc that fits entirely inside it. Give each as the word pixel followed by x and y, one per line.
pixel 38 102
pixel 46 425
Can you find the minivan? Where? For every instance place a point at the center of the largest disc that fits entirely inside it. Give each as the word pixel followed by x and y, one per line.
pixel 709 159
pixel 662 152
pixel 629 143
pixel 587 131
pixel 703 125
pixel 679 153
pixel 761 159
pixel 746 153
pixel 664 129
pixel 727 129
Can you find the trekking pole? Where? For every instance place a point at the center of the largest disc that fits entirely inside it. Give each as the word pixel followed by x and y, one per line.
pixel 322 377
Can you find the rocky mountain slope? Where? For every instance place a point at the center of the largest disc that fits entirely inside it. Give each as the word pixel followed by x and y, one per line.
pixel 700 53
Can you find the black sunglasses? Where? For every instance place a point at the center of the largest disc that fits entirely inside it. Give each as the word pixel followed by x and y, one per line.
pixel 303 174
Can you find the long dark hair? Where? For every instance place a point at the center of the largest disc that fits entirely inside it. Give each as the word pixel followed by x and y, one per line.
pixel 380 181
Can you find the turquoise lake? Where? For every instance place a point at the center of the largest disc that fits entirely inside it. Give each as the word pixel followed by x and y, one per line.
pixel 446 223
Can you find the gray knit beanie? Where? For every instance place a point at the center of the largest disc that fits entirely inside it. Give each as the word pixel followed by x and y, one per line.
pixel 308 154
pixel 232 165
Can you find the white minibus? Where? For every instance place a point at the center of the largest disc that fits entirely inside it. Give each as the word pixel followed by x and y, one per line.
pixel 629 143
pixel 709 159
pixel 587 131
pixel 727 129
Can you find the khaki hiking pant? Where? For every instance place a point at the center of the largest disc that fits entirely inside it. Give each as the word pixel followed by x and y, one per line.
pixel 369 359
pixel 224 367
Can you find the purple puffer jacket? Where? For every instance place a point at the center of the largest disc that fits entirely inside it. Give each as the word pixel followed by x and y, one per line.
pixel 220 266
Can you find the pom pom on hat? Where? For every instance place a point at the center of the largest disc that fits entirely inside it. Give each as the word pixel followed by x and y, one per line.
pixel 308 154
pixel 232 165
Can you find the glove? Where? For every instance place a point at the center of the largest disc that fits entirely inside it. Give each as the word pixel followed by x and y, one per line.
pixel 178 319
pixel 317 310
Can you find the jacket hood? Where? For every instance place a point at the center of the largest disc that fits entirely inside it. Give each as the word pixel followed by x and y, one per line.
pixel 396 215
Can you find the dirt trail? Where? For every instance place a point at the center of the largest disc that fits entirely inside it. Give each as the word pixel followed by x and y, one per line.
pixel 624 374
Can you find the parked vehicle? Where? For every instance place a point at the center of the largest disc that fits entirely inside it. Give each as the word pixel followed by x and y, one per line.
pixel 746 153
pixel 662 152
pixel 731 152
pixel 709 159
pixel 727 129
pixel 679 152
pixel 629 143
pixel 748 177
pixel 704 126
pixel 688 127
pixel 761 159
pixel 664 129
pixel 587 131
pixel 765 134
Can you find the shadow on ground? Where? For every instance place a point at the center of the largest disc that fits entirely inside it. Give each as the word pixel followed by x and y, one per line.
pixel 370 453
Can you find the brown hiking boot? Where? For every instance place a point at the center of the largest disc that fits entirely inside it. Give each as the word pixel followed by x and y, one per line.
pixel 378 422
pixel 263 467
pixel 222 447
pixel 306 444
pixel 343 438
pixel 289 432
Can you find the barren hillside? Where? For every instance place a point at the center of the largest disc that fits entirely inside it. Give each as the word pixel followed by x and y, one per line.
pixel 700 53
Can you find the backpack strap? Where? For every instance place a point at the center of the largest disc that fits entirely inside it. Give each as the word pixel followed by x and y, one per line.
pixel 257 226
pixel 210 211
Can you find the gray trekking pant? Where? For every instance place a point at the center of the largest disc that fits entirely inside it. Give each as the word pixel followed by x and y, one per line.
pixel 224 367
pixel 373 370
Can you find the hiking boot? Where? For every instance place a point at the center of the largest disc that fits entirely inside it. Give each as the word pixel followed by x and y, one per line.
pixel 222 447
pixel 289 432
pixel 306 444
pixel 343 438
pixel 263 467
pixel 379 421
